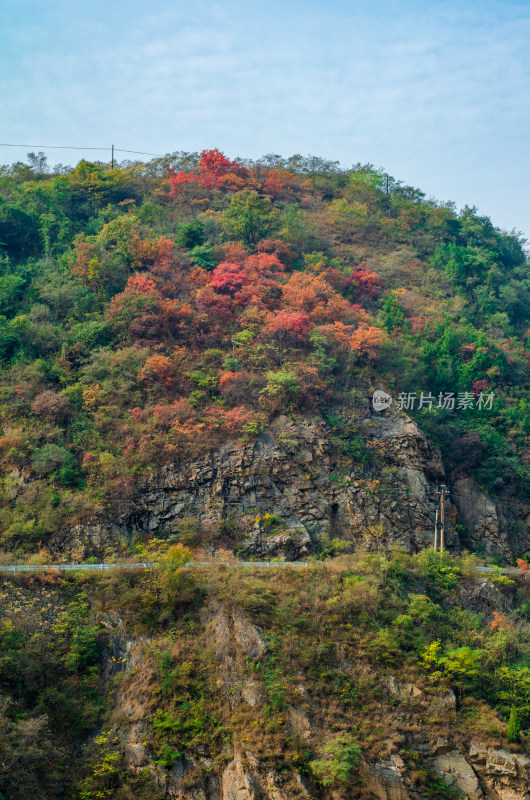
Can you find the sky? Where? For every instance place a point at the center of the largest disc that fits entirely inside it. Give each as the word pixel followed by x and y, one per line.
pixel 437 92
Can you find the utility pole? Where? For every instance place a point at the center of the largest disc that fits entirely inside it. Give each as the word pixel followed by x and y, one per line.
pixel 439 525
pixel 112 158
pixel 442 518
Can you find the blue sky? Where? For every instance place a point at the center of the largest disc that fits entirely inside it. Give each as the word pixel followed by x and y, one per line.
pixel 436 92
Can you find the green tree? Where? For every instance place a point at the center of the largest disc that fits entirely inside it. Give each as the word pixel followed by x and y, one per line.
pixel 250 217
pixel 19 232
pixel 514 726
pixel 340 754
pixel 191 235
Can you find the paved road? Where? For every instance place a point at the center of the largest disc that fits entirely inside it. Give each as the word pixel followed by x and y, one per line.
pixel 506 571
pixel 16 568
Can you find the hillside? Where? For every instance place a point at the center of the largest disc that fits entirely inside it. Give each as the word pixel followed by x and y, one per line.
pixel 189 352
pixel 189 348
pixel 375 676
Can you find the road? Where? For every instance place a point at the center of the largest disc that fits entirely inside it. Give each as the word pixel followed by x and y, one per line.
pixel 16 568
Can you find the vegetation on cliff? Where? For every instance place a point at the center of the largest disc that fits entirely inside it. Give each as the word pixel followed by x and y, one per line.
pixel 151 311
pixel 136 682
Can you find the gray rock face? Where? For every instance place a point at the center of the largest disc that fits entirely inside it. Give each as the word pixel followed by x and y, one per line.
pixel 477 771
pixel 485 519
pixel 483 597
pixel 384 780
pixel 458 772
pixel 299 474
pixel 238 784
pixel 504 775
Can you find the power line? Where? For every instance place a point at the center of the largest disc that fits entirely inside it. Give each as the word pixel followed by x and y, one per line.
pixel 70 147
pixel 138 152
pixel 53 146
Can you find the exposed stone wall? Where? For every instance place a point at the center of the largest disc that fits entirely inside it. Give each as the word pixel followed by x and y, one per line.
pixel 477 770
pixel 295 472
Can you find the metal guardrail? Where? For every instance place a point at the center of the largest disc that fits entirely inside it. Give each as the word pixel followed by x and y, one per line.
pixel 500 571
pixel 16 568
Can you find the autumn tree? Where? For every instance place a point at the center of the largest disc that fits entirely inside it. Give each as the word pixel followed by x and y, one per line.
pixel 215 171
pixel 288 327
pixel 141 313
pixel 313 295
pixel 158 369
pixel 364 340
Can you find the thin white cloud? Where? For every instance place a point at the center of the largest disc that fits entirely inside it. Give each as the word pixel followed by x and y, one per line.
pixel 437 92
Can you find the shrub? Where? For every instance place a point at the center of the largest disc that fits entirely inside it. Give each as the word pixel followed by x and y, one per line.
pixel 384 648
pixel 51 405
pixel 360 594
pixel 340 754
pixel 282 387
pixel 514 726
pixel 51 457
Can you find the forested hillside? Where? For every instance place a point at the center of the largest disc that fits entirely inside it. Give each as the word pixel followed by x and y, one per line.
pixel 153 313
pixel 374 676
pixel 189 351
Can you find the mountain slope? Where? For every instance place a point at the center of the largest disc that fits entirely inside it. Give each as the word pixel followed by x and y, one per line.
pixel 172 331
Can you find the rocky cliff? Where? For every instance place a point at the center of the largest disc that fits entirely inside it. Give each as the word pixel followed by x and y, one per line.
pixel 306 480
pixel 364 678
pixel 419 748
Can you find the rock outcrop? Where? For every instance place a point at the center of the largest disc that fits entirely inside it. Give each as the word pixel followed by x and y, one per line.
pixel 297 486
pixel 477 771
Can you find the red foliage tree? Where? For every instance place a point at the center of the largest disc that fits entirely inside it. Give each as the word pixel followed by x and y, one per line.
pixel 288 326
pixel 366 282
pixel 179 179
pixel 214 168
pixel 250 281
pixel 234 419
pixel 228 278
pixel 361 281
pixel 231 421
pixel 215 307
pixel 479 386
pixel 216 171
pixel 141 284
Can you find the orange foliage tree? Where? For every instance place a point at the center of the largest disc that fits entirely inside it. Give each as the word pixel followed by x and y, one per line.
pixel 158 369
